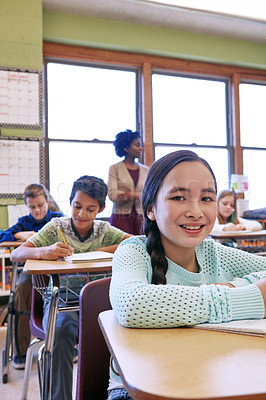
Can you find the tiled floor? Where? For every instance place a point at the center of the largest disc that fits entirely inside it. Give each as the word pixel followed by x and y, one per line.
pixel 13 388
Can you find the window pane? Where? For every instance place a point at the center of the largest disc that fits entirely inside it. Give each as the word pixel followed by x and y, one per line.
pixel 89 103
pixel 217 158
pixel 253 115
pixel 69 161
pixel 254 164
pixel 188 110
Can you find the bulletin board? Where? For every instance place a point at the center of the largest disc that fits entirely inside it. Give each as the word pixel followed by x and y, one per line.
pixel 20 165
pixel 20 98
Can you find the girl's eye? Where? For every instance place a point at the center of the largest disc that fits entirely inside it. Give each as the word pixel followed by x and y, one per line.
pixel 207 198
pixel 178 198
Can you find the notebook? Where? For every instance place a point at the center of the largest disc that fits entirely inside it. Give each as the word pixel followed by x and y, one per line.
pixel 94 256
pixel 254 327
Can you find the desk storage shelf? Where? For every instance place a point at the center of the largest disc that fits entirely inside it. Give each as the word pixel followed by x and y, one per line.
pixel 252 245
pixel 67 296
pixel 253 242
pixel 5 275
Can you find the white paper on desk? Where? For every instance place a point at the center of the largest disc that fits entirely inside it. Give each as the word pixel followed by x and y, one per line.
pixel 94 256
pixel 253 327
pixel 235 233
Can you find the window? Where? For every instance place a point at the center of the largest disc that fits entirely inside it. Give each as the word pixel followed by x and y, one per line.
pixel 87 107
pixel 253 140
pixel 185 104
pixel 190 111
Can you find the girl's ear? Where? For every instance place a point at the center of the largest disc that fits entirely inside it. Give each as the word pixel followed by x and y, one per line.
pixel 150 214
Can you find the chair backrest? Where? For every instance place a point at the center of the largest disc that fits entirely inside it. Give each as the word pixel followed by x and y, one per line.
pixel 94 356
pixel 36 314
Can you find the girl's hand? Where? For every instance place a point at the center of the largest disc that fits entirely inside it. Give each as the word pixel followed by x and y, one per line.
pixel 56 251
pixel 225 284
pixel 229 227
pixel 240 227
pixel 23 235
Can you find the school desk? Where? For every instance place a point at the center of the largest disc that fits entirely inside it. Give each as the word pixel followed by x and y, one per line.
pixel 38 268
pixel 253 242
pixel 186 363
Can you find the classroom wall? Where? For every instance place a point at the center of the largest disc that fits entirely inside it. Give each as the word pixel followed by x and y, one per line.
pixel 24 25
pixel 116 35
pixel 20 47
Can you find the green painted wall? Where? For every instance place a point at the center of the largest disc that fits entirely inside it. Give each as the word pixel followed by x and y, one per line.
pixel 116 35
pixel 21 33
pixel 20 47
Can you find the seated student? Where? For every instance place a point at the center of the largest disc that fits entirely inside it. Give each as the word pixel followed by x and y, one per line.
pixel 227 219
pixel 178 277
pixel 82 233
pixel 38 201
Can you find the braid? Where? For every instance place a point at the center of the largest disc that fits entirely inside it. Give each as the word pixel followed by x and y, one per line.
pixel 156 251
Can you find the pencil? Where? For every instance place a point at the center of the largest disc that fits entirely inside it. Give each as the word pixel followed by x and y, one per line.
pixel 61 234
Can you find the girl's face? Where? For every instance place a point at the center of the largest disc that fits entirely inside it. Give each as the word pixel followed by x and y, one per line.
pixel 84 210
pixel 135 148
pixel 185 208
pixel 226 206
pixel 38 207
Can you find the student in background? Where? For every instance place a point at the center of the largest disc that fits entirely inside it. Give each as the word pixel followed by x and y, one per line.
pixel 38 199
pixel 227 219
pixel 82 233
pixel 125 183
pixel 178 277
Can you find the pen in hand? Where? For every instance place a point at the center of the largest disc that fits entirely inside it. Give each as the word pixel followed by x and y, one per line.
pixel 61 234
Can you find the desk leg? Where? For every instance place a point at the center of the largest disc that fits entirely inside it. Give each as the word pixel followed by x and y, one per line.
pixel 49 341
pixel 7 352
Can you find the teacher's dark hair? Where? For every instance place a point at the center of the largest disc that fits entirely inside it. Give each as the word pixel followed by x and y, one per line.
pixel 154 179
pixel 123 141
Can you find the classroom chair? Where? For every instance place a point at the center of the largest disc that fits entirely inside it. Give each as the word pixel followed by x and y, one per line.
pixel 94 356
pixel 39 337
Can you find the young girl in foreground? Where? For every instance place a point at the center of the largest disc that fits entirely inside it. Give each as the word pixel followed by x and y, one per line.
pixel 227 219
pixel 173 276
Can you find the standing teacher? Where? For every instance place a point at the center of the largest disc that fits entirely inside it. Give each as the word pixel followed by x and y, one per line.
pixel 125 183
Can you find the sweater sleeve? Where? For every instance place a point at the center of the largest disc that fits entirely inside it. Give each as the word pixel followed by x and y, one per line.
pixel 138 303
pixel 8 235
pixel 250 224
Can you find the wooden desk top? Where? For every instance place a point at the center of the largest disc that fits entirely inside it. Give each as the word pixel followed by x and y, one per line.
pixel 16 243
pixel 185 363
pixel 38 267
pixel 240 234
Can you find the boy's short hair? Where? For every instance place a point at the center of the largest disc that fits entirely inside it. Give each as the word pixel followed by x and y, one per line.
pixel 34 190
pixel 93 187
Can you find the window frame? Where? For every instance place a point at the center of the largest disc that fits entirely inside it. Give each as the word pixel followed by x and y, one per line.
pixel 228 101
pixel 47 140
pixel 148 63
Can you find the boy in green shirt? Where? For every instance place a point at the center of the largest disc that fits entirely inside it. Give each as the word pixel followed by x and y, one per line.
pixel 82 234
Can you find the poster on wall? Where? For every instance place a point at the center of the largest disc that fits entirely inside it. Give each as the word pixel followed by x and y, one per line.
pixel 19 98
pixel 19 165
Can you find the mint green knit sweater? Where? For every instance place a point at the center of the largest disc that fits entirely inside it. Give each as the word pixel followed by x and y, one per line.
pixel 187 298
